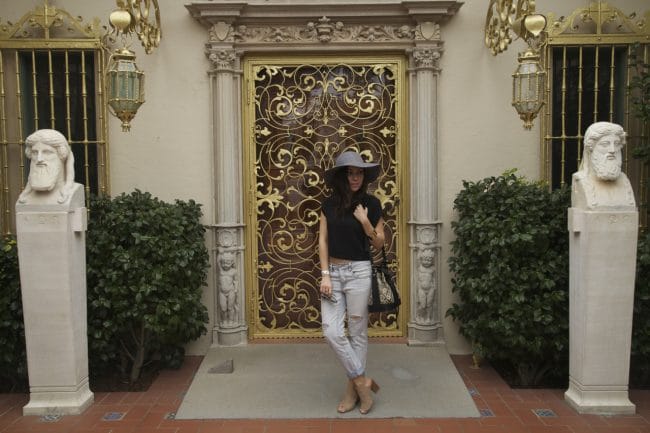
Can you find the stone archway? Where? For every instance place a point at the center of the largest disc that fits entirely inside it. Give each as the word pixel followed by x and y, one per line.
pixel 409 27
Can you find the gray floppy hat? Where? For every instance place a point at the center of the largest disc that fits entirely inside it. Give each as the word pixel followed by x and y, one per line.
pixel 352 159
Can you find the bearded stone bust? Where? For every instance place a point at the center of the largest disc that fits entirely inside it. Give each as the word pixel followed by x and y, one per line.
pixel 600 183
pixel 51 171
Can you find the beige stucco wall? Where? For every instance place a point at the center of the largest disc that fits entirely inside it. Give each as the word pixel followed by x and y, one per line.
pixel 169 152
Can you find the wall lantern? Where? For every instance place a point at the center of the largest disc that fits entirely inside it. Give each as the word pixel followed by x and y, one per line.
pixel 125 87
pixel 529 79
pixel 528 85
pixel 124 81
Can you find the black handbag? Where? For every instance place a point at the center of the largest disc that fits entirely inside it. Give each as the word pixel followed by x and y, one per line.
pixel 384 296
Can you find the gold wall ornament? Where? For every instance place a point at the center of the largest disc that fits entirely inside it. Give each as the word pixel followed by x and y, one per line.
pixel 49 22
pixel 143 21
pixel 505 17
pixel 598 23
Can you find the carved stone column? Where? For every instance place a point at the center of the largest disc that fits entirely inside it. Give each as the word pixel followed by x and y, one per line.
pixel 230 312
pixel 425 326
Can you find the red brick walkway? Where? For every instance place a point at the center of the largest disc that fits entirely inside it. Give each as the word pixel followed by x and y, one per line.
pixel 503 410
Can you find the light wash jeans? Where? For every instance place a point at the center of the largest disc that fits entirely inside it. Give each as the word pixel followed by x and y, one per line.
pixel 350 289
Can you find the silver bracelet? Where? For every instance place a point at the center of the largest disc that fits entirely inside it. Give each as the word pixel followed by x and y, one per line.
pixel 324 272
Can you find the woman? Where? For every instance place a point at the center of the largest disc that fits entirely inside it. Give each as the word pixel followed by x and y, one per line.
pixel 350 221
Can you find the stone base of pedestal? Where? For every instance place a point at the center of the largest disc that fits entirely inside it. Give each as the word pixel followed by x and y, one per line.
pixel 599 399
pixel 58 400
pixel 231 336
pixel 425 335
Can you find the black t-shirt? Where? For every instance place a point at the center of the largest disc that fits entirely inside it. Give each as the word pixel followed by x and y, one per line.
pixel 345 236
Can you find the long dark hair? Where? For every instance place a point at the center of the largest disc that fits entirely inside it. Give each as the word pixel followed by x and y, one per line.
pixel 344 199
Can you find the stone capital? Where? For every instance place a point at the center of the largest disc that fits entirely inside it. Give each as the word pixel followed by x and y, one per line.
pixel 222 59
pixel 427 57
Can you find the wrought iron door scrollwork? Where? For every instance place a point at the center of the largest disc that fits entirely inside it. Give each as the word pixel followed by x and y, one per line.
pixel 304 115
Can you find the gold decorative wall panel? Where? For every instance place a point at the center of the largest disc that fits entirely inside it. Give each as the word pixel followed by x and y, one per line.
pixel 299 116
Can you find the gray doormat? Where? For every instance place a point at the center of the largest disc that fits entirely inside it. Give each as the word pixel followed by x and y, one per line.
pixel 306 381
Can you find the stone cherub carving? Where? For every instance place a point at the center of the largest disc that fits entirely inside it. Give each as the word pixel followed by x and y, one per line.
pixel 51 171
pixel 600 183
pixel 228 288
pixel 426 285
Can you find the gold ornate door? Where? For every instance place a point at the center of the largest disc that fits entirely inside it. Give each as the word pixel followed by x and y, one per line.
pixel 299 114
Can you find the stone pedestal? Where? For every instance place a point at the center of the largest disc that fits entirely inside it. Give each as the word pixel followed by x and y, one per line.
pixel 52 257
pixel 425 335
pixel 602 271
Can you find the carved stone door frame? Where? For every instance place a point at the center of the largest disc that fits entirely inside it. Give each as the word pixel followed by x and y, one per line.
pixel 268 26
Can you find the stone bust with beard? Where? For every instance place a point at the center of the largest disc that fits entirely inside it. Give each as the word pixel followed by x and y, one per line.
pixel 600 183
pixel 51 171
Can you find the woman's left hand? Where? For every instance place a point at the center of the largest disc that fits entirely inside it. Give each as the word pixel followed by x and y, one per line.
pixel 361 213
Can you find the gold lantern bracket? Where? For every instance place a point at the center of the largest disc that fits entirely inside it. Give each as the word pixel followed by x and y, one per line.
pixel 518 17
pixel 124 81
pixel 137 17
pixel 507 17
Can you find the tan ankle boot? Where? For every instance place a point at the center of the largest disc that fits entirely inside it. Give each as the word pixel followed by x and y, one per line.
pixel 364 385
pixel 350 398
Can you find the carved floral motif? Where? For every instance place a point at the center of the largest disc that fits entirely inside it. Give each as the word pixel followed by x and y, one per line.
pixel 427 234
pixel 427 57
pixel 323 31
pixel 227 238
pixel 222 59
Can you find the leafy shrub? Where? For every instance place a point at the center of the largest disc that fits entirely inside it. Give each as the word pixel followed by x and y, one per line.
pixel 640 97
pixel 640 365
pixel 147 263
pixel 640 83
pixel 510 266
pixel 13 358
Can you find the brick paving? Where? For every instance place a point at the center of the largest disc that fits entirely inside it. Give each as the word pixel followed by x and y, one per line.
pixel 503 410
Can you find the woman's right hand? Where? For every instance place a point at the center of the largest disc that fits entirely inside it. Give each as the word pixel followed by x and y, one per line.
pixel 326 286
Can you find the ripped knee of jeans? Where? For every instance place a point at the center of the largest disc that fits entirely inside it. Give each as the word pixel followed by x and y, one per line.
pixel 356 325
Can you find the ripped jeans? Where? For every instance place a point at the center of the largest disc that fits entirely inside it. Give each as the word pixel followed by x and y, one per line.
pixel 350 289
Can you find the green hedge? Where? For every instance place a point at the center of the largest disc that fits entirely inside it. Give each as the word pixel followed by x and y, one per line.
pixel 147 264
pixel 510 271
pixel 640 97
pixel 640 368
pixel 13 361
